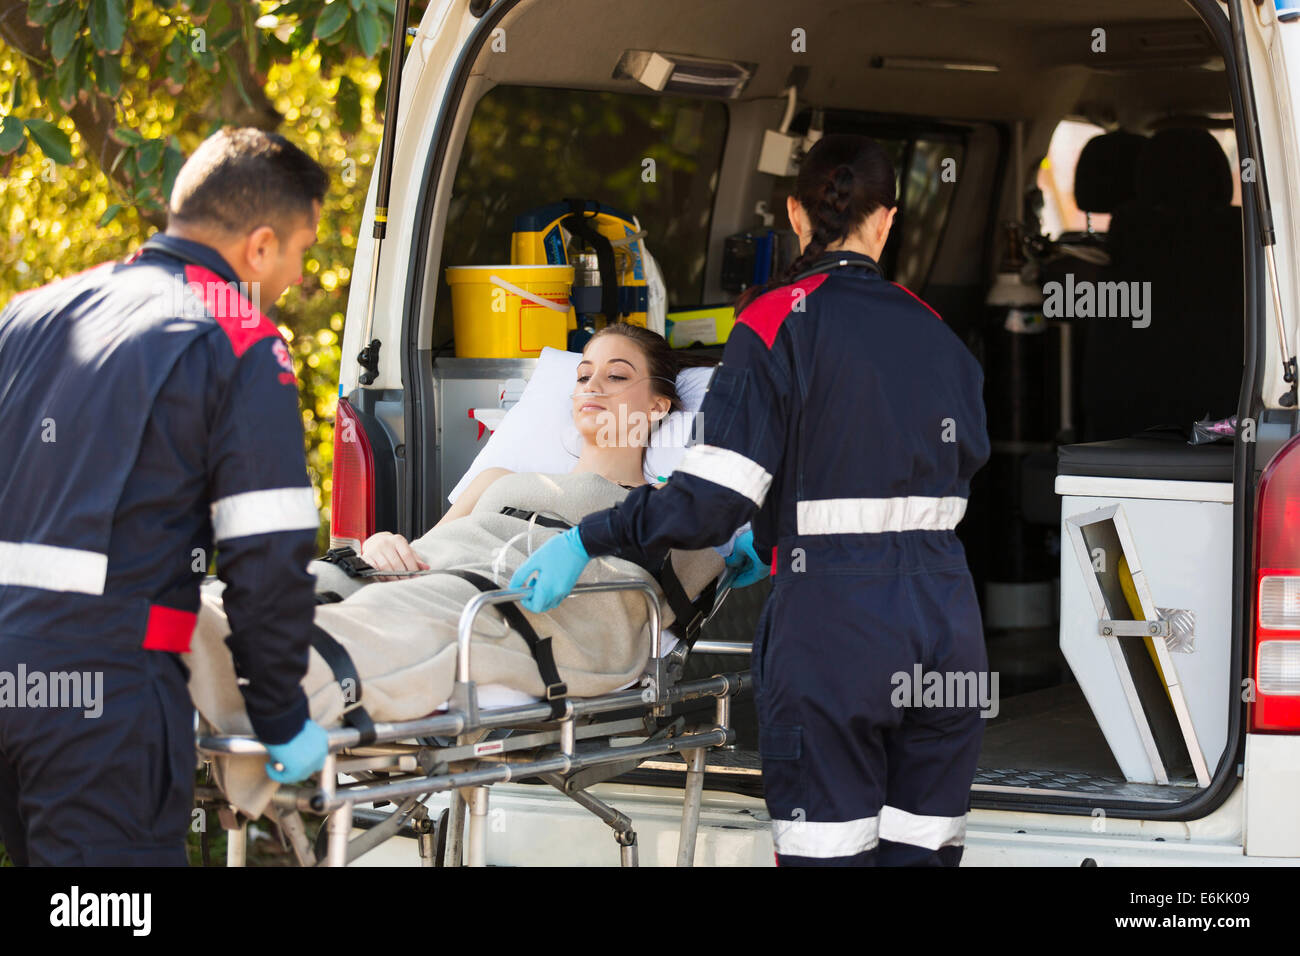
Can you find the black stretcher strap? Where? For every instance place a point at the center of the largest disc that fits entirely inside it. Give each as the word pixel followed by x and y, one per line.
pixel 542 520
pixel 347 559
pixel 539 647
pixel 688 616
pixel 340 663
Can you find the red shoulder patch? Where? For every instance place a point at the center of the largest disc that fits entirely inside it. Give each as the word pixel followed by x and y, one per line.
pixel 919 299
pixel 243 324
pixel 766 313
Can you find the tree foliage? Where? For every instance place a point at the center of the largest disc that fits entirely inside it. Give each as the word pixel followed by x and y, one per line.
pixel 101 100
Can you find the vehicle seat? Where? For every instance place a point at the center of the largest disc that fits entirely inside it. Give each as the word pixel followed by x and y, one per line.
pixel 1181 234
pixel 1105 178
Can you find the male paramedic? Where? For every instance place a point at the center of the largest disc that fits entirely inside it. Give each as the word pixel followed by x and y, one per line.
pixel 150 416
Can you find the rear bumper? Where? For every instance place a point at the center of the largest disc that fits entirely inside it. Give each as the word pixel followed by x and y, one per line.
pixel 537 826
pixel 1272 798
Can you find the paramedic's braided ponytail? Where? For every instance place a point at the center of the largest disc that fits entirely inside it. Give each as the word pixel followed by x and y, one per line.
pixel 842 181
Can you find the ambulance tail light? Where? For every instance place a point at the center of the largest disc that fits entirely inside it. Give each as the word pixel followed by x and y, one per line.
pixel 1276 650
pixel 352 498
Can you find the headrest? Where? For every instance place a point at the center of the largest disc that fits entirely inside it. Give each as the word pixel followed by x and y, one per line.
pixel 1106 174
pixel 538 433
pixel 1184 167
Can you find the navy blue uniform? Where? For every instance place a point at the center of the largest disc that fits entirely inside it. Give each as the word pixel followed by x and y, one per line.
pixel 845 422
pixel 150 416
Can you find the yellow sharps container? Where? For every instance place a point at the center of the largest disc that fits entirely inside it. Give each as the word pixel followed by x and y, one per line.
pixel 506 311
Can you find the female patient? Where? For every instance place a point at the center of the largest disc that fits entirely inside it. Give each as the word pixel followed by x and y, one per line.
pixel 402 635
pixel 626 383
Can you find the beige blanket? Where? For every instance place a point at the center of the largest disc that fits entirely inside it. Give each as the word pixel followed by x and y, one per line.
pixel 401 635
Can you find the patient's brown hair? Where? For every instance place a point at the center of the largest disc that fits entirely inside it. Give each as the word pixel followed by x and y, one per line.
pixel 663 361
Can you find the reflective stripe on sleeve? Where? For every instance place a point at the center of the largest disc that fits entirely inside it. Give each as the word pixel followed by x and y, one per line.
pixel 823 840
pixel 29 565
pixel 262 512
pixel 727 468
pixel 917 830
pixel 877 515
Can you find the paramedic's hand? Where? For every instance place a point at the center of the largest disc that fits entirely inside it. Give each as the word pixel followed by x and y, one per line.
pixel 391 552
pixel 744 558
pixel 557 564
pixel 301 757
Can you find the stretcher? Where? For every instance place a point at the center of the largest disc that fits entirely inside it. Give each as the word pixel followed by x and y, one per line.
pixel 568 743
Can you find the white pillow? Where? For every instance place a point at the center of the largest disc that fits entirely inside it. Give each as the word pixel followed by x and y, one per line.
pixel 538 433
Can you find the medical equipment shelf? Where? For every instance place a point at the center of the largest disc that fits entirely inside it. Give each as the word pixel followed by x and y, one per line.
pixel 570 752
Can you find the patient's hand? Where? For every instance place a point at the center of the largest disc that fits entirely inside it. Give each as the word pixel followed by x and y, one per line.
pixel 387 551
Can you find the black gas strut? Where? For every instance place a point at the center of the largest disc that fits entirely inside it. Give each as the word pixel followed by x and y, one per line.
pixel 369 356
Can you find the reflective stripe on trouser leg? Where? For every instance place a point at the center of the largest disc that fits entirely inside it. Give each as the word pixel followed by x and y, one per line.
pixel 828 647
pixel 924 831
pixel 823 840
pixel 933 754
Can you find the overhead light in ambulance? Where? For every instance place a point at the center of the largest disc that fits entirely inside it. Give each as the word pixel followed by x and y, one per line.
pixel 690 75
pixel 927 63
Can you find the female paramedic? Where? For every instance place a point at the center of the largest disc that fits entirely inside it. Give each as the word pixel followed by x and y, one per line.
pixel 845 421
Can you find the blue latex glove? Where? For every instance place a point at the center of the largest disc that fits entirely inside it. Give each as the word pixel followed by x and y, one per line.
pixel 301 757
pixel 557 564
pixel 746 560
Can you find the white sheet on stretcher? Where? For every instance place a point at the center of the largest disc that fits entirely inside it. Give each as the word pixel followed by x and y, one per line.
pixel 498 696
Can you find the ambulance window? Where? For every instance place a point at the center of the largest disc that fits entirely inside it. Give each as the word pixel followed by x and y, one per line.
pixel 653 157
pixel 926 193
pixel 1056 180
pixel 1057 169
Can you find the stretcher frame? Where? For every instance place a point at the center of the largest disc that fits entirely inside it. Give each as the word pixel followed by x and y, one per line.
pixel 391 769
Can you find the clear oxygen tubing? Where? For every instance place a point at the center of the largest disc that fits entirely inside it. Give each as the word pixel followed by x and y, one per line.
pixel 579 386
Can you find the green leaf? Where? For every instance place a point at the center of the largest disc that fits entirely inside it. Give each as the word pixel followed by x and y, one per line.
pixel 11 134
pixel 370 33
pixel 348 100
pixel 199 8
pixel 15 93
pixel 173 160
pixel 108 24
pixel 148 156
pixel 66 75
pixel 43 12
pixel 219 19
pixel 108 74
pixel 45 87
pixel 333 19
pixel 178 55
pixel 143 192
pixel 109 214
pixel 64 32
pixel 53 142
pixel 127 137
pixel 355 4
